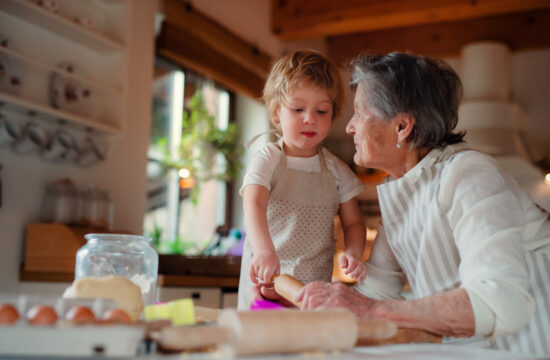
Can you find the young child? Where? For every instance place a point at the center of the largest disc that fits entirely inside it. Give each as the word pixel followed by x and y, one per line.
pixel 293 189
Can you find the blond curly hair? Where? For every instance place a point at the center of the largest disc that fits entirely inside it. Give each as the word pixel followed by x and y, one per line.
pixel 305 65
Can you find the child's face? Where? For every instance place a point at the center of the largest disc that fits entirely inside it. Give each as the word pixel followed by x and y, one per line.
pixel 305 119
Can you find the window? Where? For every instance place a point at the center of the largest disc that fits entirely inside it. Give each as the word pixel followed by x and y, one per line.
pixel 179 220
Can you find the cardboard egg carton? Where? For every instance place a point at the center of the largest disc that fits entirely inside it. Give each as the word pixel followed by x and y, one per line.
pixel 65 338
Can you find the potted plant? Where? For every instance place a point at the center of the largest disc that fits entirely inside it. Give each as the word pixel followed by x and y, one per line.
pixel 201 143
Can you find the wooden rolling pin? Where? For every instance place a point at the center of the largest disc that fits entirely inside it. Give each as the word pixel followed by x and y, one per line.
pixel 268 332
pixel 374 332
pixel 288 287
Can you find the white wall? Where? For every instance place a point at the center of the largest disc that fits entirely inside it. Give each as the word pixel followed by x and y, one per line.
pixel 122 174
pixel 252 120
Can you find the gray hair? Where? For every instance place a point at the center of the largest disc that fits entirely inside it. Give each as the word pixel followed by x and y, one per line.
pixel 425 88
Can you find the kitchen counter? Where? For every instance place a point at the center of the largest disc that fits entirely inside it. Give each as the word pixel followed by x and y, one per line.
pixel 385 352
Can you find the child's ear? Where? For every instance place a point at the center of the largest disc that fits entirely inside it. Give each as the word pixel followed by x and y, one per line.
pixel 276 116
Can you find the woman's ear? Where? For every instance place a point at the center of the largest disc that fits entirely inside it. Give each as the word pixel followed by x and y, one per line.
pixel 404 124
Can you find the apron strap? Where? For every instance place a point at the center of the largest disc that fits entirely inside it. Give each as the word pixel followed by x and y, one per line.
pixel 322 161
pixel 283 155
pixel 257 136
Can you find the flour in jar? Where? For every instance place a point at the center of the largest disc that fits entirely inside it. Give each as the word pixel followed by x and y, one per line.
pixel 147 286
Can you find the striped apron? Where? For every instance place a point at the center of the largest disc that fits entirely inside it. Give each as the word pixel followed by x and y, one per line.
pixel 422 241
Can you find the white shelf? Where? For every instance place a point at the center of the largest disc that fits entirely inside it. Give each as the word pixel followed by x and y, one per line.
pixel 25 105
pixel 61 26
pixel 43 65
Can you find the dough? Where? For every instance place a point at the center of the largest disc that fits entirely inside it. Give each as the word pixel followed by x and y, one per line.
pixel 124 292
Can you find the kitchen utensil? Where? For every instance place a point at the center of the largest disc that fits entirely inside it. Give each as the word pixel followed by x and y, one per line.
pixel 33 138
pixel 179 312
pixel 288 287
pixel 10 131
pixel 97 209
pixel 262 304
pixel 60 202
pixel 91 149
pixel 60 147
pixel 265 332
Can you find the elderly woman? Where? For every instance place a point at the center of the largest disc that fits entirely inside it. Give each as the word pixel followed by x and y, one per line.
pixel 472 244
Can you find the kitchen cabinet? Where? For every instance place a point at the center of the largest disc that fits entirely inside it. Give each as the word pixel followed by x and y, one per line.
pixel 206 297
pixel 66 67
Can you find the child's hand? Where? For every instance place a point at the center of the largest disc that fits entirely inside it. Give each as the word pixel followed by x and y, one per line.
pixel 353 266
pixel 265 264
pixel 263 291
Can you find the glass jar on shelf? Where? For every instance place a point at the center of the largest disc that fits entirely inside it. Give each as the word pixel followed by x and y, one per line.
pixel 96 209
pixel 60 202
pixel 130 256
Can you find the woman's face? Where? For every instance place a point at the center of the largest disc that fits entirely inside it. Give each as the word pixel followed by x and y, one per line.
pixel 374 139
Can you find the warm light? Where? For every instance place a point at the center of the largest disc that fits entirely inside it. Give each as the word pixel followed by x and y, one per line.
pixel 371 234
pixel 547 179
pixel 184 173
pixel 187 183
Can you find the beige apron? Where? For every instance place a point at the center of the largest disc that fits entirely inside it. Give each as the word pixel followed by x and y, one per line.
pixel 300 216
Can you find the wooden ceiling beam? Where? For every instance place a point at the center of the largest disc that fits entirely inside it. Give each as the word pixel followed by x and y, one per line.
pixel 519 31
pixel 182 15
pixel 301 19
pixel 183 47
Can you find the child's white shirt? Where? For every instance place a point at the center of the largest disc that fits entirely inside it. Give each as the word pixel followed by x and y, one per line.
pixel 265 161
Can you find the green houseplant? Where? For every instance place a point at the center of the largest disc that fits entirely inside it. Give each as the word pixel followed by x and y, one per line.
pixel 203 145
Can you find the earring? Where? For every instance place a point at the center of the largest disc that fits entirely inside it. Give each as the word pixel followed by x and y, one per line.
pixel 398 145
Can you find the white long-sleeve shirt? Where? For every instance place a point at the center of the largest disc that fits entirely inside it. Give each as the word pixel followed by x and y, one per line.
pixel 456 220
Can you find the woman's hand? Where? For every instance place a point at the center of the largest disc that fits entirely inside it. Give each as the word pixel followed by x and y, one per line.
pixel 336 295
pixel 265 264
pixel 353 266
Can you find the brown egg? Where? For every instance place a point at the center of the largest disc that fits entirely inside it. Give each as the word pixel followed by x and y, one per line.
pixel 40 315
pixel 114 316
pixel 80 315
pixel 8 314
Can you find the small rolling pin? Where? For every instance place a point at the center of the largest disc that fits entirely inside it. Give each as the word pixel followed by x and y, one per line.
pixel 288 287
pixel 370 332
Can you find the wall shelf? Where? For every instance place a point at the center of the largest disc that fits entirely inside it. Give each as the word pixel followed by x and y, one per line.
pixel 49 67
pixel 41 41
pixel 59 25
pixel 19 104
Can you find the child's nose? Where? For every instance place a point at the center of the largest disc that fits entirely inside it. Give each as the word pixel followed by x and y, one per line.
pixel 310 117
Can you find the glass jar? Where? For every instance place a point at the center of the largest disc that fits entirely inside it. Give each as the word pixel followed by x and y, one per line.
pixel 96 209
pixel 60 202
pixel 129 256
